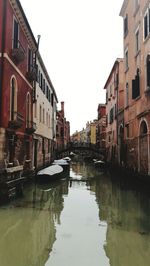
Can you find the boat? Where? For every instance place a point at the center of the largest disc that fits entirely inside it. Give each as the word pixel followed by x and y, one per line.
pixel 63 163
pixel 52 172
pixel 99 163
pixel 68 159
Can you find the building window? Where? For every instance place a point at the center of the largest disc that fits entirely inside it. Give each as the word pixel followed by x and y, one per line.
pixel 13 99
pixel 127 95
pixel 44 86
pixel 49 121
pixel 41 83
pixel 125 25
pixel 30 60
pixel 147 23
pixel 137 41
pixel 136 86
pixel 127 131
pixel 47 118
pixel 39 77
pixel 126 60
pixel 40 113
pixel 15 34
pixel 43 115
pixel 111 115
pixel 148 70
pixel 35 109
pixel 143 128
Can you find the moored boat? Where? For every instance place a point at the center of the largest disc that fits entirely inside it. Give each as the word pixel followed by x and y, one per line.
pixel 50 173
pixel 63 163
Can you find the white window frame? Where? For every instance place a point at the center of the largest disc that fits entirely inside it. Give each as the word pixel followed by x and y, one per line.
pixel 126 52
pixel 148 26
pixel 137 44
pixel 127 95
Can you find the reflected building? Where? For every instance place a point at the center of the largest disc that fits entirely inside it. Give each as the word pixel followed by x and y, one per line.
pixel 126 211
pixel 28 226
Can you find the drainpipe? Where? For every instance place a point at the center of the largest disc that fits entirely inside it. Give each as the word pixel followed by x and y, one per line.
pixel 118 159
pixel 4 9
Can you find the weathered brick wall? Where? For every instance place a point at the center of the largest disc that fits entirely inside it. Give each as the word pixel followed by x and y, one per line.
pixel 3 154
pixel 132 154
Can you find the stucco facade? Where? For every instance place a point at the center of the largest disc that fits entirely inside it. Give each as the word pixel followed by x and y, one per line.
pixel 44 113
pixel 136 19
pixel 112 89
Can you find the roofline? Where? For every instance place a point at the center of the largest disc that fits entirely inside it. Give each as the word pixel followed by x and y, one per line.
pixel 123 8
pixel 46 73
pixel 26 21
pixel 36 45
pixel 118 60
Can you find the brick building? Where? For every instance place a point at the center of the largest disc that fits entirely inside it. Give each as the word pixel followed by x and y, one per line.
pixel 136 20
pixel 17 49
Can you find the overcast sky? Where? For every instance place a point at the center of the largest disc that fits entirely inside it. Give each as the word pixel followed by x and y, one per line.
pixel 80 40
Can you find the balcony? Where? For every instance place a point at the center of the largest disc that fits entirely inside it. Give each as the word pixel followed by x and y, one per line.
pixel 18 53
pixel 16 120
pixel 30 127
pixel 31 74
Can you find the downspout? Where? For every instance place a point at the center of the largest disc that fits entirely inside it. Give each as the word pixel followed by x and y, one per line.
pixel 118 155
pixel 4 9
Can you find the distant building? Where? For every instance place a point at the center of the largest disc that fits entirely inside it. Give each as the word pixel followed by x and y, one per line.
pixel 111 88
pixel 62 129
pixel 93 132
pixel 101 127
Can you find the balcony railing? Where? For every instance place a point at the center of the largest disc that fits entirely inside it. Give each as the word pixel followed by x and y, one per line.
pixel 18 53
pixel 31 74
pixel 30 127
pixel 16 120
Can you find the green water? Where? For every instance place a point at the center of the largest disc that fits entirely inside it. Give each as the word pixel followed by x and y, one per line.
pixel 92 220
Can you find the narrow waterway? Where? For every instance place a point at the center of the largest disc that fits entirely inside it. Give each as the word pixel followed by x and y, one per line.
pixel 90 218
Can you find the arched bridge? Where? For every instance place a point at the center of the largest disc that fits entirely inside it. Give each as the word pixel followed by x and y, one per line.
pixel 80 147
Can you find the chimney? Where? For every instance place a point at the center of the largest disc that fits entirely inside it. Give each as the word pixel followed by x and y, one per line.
pixel 62 107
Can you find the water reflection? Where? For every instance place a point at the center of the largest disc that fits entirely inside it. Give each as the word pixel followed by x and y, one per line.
pixel 27 226
pixel 91 218
pixel 126 208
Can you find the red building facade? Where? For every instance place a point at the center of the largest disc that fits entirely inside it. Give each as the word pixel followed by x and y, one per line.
pixel 17 75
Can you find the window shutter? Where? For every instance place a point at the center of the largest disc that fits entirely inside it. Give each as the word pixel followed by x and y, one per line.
pixel 137 86
pixel 145 26
pixel 133 89
pixel 148 70
pixel 16 34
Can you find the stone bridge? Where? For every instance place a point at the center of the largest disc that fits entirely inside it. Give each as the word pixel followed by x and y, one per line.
pixel 79 148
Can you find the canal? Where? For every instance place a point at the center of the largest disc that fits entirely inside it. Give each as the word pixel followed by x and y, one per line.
pixel 92 218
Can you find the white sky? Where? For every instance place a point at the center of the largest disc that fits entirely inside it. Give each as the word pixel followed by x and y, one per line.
pixel 80 40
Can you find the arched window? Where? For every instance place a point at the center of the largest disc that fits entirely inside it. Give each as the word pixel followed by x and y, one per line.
pixel 143 128
pixel 13 98
pixel 28 109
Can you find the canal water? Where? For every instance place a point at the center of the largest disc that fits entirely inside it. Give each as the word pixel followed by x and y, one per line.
pixel 91 218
